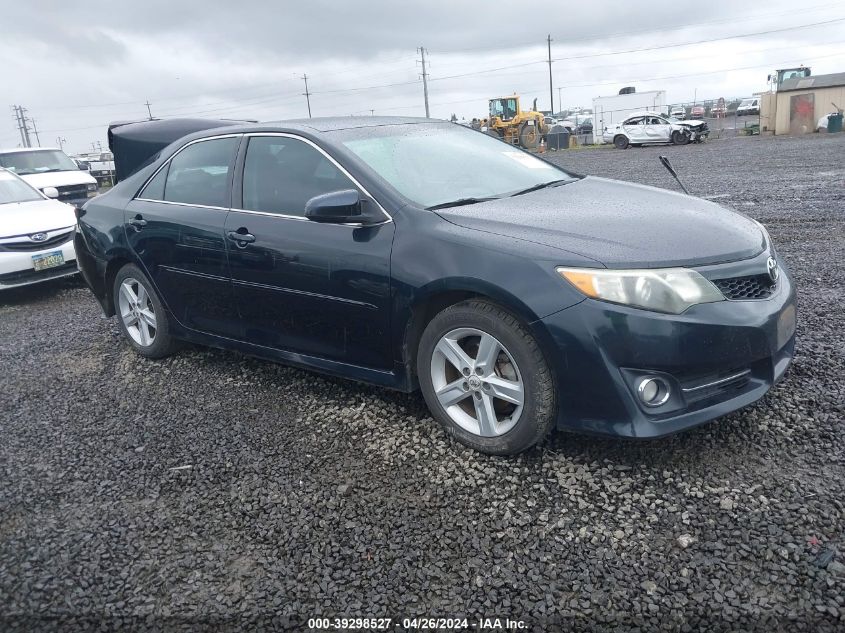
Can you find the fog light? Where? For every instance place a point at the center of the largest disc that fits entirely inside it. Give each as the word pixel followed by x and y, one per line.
pixel 653 391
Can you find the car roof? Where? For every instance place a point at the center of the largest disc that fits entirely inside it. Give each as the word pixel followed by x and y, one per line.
pixel 645 113
pixel 332 124
pixel 20 150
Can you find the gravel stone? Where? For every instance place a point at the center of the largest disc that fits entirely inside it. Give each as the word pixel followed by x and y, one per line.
pixel 320 497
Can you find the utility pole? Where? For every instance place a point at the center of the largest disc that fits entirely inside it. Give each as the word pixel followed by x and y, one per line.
pixel 559 100
pixel 35 131
pixel 149 112
pixel 307 94
pixel 23 126
pixel 61 142
pixel 551 90
pixel 425 81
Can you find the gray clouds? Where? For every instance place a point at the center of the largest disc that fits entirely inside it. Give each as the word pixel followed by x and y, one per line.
pixel 77 66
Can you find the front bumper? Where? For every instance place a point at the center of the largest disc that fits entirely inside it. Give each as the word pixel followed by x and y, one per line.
pixel 17 268
pixel 716 358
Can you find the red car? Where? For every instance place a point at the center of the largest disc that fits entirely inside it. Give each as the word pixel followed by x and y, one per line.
pixel 697 112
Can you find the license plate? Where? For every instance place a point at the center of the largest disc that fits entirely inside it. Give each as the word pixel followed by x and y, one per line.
pixel 48 260
pixel 786 325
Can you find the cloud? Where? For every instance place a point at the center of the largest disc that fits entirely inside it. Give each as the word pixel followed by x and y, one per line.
pixel 77 66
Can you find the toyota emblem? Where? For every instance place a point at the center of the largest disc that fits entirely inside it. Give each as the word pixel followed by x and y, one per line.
pixel 38 237
pixel 772 268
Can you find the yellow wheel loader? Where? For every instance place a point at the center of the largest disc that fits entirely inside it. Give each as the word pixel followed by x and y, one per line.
pixel 513 125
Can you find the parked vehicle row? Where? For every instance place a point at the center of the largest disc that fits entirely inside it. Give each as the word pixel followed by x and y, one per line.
pixel 411 253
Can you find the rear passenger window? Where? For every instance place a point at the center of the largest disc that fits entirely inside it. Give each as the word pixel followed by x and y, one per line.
pixel 155 188
pixel 281 174
pixel 199 174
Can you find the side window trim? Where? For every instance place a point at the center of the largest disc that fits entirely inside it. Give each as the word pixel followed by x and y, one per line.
pixel 237 187
pixel 166 165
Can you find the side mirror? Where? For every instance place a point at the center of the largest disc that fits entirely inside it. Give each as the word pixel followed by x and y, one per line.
pixel 338 207
pixel 50 192
pixel 83 166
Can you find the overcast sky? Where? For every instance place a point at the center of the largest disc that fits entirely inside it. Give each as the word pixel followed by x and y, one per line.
pixel 77 66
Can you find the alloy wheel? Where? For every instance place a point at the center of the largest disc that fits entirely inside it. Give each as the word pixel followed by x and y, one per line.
pixel 137 311
pixel 477 382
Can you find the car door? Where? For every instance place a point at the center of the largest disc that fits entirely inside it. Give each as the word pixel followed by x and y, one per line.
pixel 657 129
pixel 176 228
pixel 633 129
pixel 302 286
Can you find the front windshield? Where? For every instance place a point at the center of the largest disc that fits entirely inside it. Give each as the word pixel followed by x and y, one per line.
pixel 37 162
pixel 15 190
pixel 436 164
pixel 746 102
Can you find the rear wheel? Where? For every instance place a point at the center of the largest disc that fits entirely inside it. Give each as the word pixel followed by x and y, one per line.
pixel 141 315
pixel 485 379
pixel 529 136
pixel 621 142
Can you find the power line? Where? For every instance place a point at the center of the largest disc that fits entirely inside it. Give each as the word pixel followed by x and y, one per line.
pixel 628 33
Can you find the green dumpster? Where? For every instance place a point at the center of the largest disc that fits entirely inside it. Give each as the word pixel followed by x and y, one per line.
pixel 834 122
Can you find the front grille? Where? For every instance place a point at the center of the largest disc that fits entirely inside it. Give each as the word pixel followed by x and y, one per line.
pixel 73 192
pixel 24 276
pixel 26 245
pixel 746 288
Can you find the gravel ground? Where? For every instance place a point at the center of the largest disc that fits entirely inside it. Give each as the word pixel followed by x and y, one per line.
pixel 212 491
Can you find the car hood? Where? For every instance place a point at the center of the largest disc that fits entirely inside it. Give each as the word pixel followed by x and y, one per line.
pixel 25 218
pixel 59 179
pixel 619 224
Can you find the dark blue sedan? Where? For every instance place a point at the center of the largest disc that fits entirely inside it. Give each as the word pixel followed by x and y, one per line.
pixel 416 254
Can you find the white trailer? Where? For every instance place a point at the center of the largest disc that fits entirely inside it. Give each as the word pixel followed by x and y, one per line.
pixel 608 111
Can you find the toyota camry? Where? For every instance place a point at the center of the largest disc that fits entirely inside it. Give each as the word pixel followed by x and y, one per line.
pixel 417 254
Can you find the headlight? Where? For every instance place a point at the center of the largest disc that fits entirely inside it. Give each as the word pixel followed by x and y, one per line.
pixel 671 290
pixel 92 187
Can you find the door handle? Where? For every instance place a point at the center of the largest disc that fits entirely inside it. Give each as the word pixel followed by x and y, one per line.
pixel 137 222
pixel 241 239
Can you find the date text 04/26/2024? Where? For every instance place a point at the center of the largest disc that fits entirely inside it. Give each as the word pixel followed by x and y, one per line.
pixel 417 624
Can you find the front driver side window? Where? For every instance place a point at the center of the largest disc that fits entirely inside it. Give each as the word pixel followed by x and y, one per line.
pixel 281 174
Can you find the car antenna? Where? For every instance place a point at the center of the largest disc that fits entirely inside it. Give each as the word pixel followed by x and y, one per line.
pixel 668 166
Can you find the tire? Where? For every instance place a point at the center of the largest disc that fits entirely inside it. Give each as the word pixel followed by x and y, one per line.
pixel 150 337
pixel 679 138
pixel 529 136
pixel 621 142
pixel 516 369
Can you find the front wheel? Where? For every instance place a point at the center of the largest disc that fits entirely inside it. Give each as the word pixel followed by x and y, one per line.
pixel 529 136
pixel 485 379
pixel 142 317
pixel 679 138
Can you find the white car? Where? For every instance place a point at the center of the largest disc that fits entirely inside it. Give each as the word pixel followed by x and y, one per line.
pixel 647 128
pixel 36 234
pixel 51 167
pixel 678 113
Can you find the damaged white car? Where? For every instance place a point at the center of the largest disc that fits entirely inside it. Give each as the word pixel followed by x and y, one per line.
pixel 647 128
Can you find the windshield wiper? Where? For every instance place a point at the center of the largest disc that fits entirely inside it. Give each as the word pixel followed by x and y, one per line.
pixel 460 202
pixel 542 185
